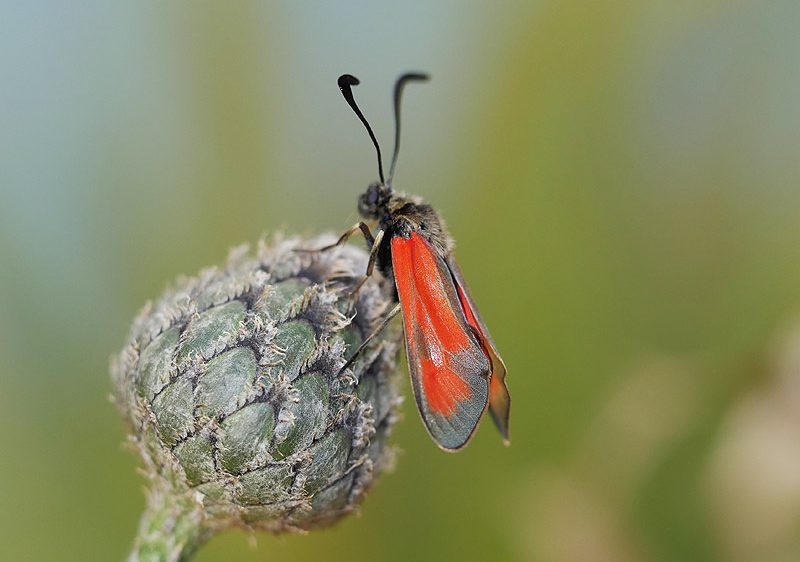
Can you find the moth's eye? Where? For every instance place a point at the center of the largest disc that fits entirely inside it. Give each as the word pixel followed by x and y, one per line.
pixel 372 197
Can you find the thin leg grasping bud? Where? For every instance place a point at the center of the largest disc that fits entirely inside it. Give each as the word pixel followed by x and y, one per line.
pixel 361 225
pixel 373 257
pixel 392 313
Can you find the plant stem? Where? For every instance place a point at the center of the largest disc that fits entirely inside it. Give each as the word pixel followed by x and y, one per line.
pixel 171 528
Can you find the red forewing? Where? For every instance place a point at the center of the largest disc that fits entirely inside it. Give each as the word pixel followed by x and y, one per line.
pixel 499 398
pixel 449 367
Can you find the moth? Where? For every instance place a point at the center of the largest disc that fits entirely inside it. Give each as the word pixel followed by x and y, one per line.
pixel 456 372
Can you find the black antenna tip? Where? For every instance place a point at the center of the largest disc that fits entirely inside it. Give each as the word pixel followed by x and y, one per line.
pixel 421 76
pixel 347 80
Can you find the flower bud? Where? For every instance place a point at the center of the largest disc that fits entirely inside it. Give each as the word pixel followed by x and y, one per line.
pixel 232 388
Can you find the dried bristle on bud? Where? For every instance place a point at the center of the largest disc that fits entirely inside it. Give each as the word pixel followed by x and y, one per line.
pixel 230 383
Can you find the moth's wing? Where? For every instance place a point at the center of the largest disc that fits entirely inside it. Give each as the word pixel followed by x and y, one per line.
pixel 499 397
pixel 449 369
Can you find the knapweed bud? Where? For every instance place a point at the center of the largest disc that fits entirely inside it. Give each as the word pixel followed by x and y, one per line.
pixel 232 388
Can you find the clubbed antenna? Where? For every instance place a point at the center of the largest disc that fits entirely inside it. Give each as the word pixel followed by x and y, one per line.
pixel 398 93
pixel 346 82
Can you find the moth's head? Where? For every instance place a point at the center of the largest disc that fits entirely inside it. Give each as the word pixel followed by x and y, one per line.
pixel 373 202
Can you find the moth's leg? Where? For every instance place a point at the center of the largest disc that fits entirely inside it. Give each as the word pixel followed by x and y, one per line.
pixel 361 225
pixel 392 313
pixel 373 258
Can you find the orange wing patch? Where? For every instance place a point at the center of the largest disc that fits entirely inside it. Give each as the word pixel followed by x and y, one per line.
pixel 449 369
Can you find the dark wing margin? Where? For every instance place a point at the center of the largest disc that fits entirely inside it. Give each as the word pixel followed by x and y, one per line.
pixel 499 397
pixel 448 366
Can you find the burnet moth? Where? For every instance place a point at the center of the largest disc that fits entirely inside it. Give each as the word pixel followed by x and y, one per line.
pixel 456 372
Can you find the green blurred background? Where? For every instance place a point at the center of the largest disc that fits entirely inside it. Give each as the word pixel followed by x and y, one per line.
pixel 622 181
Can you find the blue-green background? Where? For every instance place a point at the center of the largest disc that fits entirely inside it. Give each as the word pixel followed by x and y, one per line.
pixel 622 179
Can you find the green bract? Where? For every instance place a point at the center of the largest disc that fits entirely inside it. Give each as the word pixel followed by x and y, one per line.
pixel 230 383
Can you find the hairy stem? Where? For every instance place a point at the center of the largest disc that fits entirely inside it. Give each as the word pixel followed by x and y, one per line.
pixel 171 528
